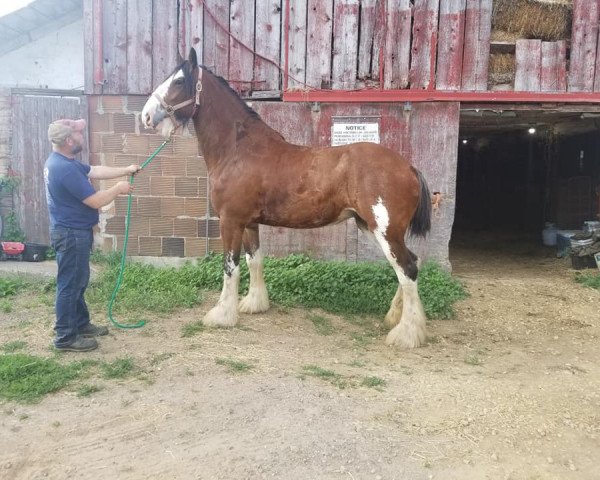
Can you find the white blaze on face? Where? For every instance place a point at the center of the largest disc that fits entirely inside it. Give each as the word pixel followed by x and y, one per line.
pixel 153 112
pixel 382 219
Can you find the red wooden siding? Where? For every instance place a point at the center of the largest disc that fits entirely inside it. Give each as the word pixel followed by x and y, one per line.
pixel 528 73
pixel 554 67
pixel 450 44
pixel 584 41
pixel 397 44
pixel 241 44
pixel 318 44
pixel 325 44
pixel 345 46
pixel 267 43
pixel 424 44
pixel 296 39
pixel 478 27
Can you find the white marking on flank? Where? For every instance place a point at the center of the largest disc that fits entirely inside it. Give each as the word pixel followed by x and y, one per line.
pixel 382 219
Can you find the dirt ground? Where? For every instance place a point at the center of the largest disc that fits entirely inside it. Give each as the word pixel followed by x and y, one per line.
pixel 510 389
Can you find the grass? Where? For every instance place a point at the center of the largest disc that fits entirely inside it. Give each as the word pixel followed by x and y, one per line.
pixel 191 329
pixel 590 280
pixel 234 366
pixel 119 368
pixel 26 378
pixel 86 390
pixel 11 347
pixel 322 325
pixel 327 375
pixel 373 382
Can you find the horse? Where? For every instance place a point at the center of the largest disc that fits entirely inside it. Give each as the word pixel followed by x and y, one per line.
pixel 257 178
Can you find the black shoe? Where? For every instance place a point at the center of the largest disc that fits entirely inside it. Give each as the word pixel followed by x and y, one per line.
pixel 81 344
pixel 91 330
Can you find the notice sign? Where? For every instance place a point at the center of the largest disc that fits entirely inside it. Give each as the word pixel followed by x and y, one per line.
pixel 344 133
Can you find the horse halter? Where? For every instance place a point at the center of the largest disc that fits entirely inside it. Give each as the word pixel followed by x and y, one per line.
pixel 172 109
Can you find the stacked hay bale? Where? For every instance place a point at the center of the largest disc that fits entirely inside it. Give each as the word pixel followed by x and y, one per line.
pixel 548 20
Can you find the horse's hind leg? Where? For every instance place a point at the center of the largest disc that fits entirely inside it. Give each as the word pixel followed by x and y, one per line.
pixel 225 314
pixel 257 299
pixel 409 330
pixel 392 318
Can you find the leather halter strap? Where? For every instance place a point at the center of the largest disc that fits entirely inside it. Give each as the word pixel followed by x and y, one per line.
pixel 171 109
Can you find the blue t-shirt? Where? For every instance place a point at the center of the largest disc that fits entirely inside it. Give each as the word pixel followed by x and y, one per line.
pixel 67 185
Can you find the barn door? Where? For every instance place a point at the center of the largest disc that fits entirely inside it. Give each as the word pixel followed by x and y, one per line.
pixel 32 112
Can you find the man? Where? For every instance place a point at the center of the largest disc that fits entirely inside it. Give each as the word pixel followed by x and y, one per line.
pixel 73 205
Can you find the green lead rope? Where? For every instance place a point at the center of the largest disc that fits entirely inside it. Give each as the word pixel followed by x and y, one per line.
pixel 123 255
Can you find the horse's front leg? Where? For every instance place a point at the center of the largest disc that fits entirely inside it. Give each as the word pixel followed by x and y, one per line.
pixel 225 313
pixel 257 299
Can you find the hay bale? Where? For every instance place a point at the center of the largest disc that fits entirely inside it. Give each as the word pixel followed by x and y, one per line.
pixel 548 20
pixel 502 68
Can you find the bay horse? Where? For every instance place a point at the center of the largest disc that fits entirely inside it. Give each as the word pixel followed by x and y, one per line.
pixel 256 177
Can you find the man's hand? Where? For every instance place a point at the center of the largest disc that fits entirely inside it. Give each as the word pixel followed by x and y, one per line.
pixel 124 187
pixel 133 169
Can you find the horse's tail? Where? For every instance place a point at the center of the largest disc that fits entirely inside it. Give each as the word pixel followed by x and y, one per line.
pixel 421 221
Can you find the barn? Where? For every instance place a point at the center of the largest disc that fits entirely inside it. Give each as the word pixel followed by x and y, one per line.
pixel 497 102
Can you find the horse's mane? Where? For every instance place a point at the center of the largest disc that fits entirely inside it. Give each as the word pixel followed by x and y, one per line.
pixel 225 84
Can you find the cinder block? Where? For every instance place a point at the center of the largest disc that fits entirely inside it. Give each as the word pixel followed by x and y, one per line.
pixel 208 228
pixel 115 226
pixel 195 167
pixel 185 227
pixel 173 247
pixel 195 207
pixel 137 144
pixel 161 227
pixel 149 206
pixel 162 186
pixel 186 186
pixel 111 103
pixel 196 247
pixel 100 122
pixel 172 207
pixel 173 166
pixel 132 245
pixel 124 123
pixel 150 246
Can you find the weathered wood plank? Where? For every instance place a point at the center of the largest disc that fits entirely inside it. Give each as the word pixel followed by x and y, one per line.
pixel 114 46
pixel 424 44
pixel 345 44
pixel 377 59
pixel 319 32
pixel 450 44
pixel 266 44
pixel 297 43
pixel 369 12
pixel 241 45
pixel 139 47
pixel 216 40
pixel 478 27
pixel 164 40
pixel 195 30
pixel 397 44
pixel 584 42
pixel 528 59
pixel 554 67
pixel 90 47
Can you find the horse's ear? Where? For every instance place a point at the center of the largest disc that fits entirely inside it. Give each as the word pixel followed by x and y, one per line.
pixel 192 58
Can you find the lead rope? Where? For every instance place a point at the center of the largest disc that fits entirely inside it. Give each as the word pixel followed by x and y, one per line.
pixel 141 323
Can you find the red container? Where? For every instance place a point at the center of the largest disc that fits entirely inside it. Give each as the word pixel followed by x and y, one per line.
pixel 13 248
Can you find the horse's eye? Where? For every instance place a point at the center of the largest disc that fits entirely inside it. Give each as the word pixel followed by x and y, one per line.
pixel 179 81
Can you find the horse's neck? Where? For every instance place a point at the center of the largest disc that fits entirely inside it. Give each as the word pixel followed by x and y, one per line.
pixel 218 120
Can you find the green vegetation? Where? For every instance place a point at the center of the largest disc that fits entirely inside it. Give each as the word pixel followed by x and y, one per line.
pixel 12 347
pixel 234 366
pixel 86 390
pixel 338 287
pixel 11 231
pixel 327 375
pixel 25 378
pixel 590 280
pixel 191 329
pixel 119 368
pixel 10 286
pixel 373 382
pixel 322 325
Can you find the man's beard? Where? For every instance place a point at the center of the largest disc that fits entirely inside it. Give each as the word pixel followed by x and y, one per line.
pixel 76 149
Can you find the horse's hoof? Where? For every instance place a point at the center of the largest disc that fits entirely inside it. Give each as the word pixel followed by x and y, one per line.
pixel 220 317
pixel 404 338
pixel 254 303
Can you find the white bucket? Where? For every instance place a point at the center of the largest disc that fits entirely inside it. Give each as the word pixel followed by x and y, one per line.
pixel 549 235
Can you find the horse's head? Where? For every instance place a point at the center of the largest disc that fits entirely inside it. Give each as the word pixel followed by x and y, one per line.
pixel 175 100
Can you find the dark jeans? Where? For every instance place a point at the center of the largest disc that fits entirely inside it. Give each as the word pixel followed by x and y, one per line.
pixel 73 249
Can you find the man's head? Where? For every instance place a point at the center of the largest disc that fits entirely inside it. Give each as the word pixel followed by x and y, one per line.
pixel 67 135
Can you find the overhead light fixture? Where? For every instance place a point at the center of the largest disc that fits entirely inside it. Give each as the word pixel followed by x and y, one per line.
pixel 531 131
pixel 465 141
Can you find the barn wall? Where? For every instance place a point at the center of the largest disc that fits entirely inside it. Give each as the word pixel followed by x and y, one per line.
pixel 53 61
pixel 328 44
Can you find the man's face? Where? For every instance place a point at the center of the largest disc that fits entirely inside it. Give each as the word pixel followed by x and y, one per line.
pixel 75 142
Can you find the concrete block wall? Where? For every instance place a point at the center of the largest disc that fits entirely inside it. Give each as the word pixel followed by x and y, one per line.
pixel 170 213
